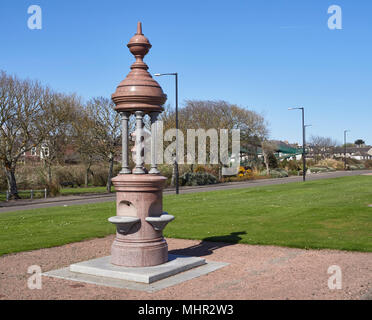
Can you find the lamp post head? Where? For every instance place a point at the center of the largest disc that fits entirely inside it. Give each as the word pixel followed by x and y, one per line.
pixel 165 74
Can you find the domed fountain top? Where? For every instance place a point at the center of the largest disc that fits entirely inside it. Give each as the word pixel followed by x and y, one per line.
pixel 139 91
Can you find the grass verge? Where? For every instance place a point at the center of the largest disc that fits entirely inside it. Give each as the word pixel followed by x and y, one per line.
pixel 330 213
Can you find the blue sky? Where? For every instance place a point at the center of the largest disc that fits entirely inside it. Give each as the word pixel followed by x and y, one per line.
pixel 265 55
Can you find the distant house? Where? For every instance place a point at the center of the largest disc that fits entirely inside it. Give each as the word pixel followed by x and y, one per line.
pixel 318 152
pixel 357 153
pixel 283 150
pixel 41 152
pixel 70 155
pixel 36 154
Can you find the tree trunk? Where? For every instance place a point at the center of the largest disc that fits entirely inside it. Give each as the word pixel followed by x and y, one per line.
pixel 12 183
pixel 266 160
pixel 111 168
pixel 87 171
pixel 173 179
pixel 48 169
pixel 49 173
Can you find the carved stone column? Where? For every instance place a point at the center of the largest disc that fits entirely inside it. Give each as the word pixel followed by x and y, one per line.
pixel 125 159
pixel 154 128
pixel 139 143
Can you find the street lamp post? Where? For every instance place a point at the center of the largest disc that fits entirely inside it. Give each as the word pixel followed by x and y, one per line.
pixel 303 141
pixel 306 126
pixel 345 131
pixel 175 74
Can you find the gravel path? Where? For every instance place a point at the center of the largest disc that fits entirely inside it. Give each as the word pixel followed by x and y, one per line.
pixel 255 272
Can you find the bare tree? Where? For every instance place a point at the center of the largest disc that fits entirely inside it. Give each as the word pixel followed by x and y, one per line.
pixel 84 141
pixel 107 131
pixel 268 148
pixel 22 108
pixel 206 114
pixel 322 147
pixel 58 119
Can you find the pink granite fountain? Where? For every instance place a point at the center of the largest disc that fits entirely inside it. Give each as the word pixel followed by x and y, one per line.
pixel 139 253
pixel 140 218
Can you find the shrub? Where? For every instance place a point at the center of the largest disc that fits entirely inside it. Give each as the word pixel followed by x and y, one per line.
pixel 283 164
pixel 53 189
pixel 166 170
pixel 310 162
pixel 69 175
pixel 35 177
pixel 273 161
pixel 319 169
pixel 352 161
pixel 356 167
pixel 277 173
pixel 200 168
pixel 293 173
pixel 293 165
pixel 197 179
pixel 332 163
pixel 368 164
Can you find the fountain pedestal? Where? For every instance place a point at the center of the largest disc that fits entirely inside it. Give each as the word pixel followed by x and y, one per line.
pixel 139 196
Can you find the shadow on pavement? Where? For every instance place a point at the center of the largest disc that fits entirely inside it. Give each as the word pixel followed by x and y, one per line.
pixel 208 245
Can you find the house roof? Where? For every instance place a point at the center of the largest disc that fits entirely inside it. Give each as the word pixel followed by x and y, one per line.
pixel 361 151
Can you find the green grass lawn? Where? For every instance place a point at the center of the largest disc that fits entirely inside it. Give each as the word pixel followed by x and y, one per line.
pixel 24 194
pixel 330 213
pixel 76 191
pixel 64 192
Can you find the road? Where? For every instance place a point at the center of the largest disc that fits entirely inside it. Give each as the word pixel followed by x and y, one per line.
pixel 97 198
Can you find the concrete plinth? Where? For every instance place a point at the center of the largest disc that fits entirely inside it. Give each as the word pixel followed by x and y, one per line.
pixel 102 267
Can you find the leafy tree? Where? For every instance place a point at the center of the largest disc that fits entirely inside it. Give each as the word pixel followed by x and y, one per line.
pixel 359 142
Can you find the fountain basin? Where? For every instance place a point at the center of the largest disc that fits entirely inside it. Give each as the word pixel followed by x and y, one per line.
pixel 124 224
pixel 159 223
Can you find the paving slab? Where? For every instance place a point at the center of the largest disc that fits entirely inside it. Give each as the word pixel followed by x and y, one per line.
pixel 67 274
pixel 103 267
